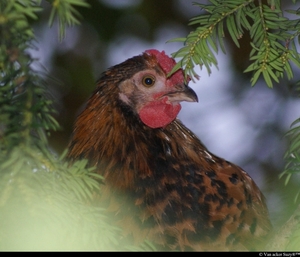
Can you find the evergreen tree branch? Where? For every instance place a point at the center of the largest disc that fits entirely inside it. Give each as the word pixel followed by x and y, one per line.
pixel 65 11
pixel 271 36
pixel 201 43
pixel 45 203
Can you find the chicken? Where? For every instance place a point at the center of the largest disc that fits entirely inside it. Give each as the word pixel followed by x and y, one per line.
pixel 161 182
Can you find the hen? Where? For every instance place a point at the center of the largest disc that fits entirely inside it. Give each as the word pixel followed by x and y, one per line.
pixel 161 183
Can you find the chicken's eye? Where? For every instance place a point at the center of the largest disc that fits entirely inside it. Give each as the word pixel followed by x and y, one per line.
pixel 148 81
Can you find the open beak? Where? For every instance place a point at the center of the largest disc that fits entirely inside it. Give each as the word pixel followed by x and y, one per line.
pixel 185 93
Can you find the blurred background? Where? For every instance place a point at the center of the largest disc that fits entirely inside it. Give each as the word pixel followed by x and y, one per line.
pixel 243 124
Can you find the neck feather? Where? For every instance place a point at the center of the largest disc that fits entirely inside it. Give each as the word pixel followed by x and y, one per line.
pixel 114 139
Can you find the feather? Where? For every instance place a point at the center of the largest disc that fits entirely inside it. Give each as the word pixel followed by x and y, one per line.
pixel 162 184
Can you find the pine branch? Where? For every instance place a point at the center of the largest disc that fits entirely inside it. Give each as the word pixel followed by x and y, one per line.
pixel 65 11
pixel 268 54
pixel 208 36
pixel 45 202
pixel 272 38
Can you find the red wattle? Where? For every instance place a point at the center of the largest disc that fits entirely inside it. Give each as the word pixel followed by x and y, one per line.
pixel 159 114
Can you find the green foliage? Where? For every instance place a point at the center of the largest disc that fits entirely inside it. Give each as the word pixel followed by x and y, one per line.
pixel 292 155
pixel 66 13
pixel 272 38
pixel 22 102
pixel 286 238
pixel 45 203
pixel 293 244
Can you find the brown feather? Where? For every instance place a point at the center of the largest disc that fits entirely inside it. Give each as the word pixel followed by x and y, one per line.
pixel 163 184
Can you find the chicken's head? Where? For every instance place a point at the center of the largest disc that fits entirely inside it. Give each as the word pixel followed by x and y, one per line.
pixel 154 96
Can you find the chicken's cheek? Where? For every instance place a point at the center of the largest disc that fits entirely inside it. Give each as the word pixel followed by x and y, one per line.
pixel 159 114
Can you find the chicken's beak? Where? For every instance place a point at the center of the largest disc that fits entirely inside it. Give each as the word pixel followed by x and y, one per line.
pixel 184 93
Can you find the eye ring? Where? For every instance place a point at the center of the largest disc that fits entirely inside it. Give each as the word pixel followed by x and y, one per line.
pixel 148 81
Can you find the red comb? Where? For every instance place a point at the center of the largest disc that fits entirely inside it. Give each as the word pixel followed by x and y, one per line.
pixel 167 63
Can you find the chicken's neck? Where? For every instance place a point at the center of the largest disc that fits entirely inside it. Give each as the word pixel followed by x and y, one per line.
pixel 124 149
